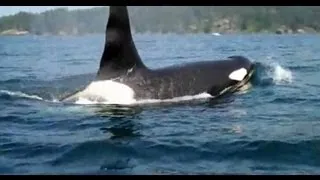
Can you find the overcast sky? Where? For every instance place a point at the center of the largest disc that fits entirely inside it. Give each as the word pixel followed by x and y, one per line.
pixel 9 10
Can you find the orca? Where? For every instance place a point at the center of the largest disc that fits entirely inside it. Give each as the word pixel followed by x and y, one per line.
pixel 123 78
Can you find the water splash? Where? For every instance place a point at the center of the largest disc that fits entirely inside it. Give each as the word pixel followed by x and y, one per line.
pixel 20 95
pixel 280 74
pixel 272 73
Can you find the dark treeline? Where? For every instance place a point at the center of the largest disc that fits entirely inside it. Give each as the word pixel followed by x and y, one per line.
pixel 182 19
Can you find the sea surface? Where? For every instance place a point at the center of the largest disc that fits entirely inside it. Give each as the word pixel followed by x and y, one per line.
pixel 271 128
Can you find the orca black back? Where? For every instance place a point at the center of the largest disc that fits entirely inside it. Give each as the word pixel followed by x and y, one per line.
pixel 121 58
pixel 123 75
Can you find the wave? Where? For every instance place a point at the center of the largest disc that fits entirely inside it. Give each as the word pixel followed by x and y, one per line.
pixel 272 74
pixel 20 95
pixel 280 74
pixel 262 155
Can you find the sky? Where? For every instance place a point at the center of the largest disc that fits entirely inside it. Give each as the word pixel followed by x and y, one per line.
pixel 10 10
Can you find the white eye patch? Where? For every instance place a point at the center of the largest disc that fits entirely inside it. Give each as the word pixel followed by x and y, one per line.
pixel 238 75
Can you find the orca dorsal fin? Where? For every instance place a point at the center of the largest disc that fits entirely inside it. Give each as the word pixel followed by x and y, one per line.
pixel 120 53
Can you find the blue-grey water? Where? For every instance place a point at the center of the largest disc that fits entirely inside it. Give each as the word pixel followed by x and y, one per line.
pixel 272 128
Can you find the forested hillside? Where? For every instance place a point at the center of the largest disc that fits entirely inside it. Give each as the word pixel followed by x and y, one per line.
pixel 162 19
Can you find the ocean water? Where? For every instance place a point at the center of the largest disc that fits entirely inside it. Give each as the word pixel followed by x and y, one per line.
pixel 271 128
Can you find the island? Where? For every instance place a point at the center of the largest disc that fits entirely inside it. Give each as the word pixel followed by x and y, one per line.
pixel 214 20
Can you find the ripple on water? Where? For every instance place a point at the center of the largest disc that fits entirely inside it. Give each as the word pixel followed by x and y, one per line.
pixel 272 128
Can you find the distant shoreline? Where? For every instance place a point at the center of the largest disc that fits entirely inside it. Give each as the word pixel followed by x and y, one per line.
pixel 169 19
pixel 14 32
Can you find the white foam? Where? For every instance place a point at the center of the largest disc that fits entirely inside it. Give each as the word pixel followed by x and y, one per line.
pixel 20 94
pixel 281 74
pixel 238 75
pixel 278 73
pixel 85 101
pixel 245 88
